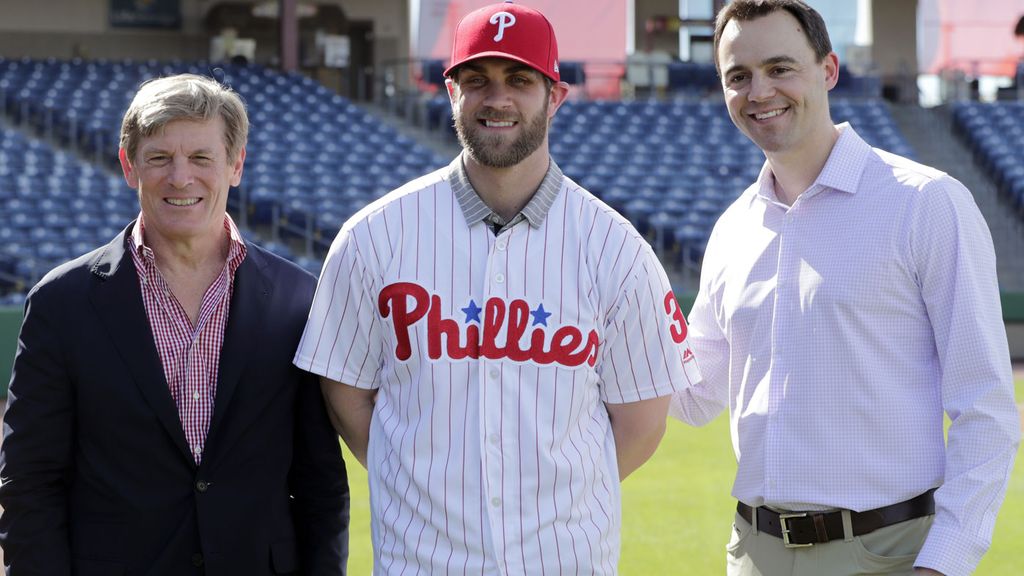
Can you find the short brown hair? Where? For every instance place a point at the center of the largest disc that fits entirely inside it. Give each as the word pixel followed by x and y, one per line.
pixel 745 10
pixel 184 97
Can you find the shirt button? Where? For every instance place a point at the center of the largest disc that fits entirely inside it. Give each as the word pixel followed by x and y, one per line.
pixel 499 277
pixel 195 395
pixel 494 439
pixel 495 502
pixel 197 559
pixel 202 486
pixel 501 245
pixel 494 373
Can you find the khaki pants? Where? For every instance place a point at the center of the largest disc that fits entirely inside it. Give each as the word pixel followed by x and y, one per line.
pixel 889 550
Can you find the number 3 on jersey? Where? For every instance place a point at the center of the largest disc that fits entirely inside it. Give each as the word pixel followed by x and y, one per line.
pixel 678 327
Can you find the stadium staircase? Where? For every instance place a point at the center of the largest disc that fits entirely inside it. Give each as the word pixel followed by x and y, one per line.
pixel 930 131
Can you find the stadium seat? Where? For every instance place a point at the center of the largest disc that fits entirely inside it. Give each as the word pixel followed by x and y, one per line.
pixel 314 158
pixel 995 133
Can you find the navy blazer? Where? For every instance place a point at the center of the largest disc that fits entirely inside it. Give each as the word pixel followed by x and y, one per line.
pixel 97 475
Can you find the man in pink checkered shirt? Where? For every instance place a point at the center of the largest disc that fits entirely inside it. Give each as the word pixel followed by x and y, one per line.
pixel 155 422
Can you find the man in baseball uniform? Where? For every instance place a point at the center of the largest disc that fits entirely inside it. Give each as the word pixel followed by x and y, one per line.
pixel 497 346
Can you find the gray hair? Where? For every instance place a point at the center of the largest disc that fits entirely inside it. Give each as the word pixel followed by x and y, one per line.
pixel 184 97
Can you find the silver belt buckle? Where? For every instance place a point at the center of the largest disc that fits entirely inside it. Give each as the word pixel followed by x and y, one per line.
pixel 786 531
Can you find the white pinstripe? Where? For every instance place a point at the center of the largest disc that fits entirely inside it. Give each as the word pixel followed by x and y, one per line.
pixel 455 487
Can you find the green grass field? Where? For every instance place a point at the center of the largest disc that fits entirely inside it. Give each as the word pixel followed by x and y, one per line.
pixel 677 511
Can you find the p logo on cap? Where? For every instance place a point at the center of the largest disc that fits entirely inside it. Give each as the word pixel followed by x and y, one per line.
pixel 503 20
pixel 509 31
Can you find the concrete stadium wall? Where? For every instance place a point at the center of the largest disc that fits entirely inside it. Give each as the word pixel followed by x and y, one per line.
pixel 894 47
pixel 10 322
pixel 663 41
pixel 82 29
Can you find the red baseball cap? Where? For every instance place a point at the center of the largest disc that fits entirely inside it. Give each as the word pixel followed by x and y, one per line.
pixel 506 30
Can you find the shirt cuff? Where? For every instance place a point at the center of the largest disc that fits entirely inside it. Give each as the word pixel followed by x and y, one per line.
pixel 951 551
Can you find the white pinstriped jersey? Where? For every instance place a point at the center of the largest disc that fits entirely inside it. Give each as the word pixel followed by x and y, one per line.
pixel 490 445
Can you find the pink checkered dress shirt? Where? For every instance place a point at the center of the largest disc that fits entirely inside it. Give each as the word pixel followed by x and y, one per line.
pixel 190 354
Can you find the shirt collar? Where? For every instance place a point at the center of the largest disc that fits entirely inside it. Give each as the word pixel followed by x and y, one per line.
pixel 236 248
pixel 842 170
pixel 474 208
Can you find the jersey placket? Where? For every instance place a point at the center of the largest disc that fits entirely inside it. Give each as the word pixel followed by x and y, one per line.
pixel 492 413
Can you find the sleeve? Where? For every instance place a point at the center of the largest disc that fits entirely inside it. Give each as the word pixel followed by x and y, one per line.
pixel 342 339
pixel 699 404
pixel 319 486
pixel 954 260
pixel 36 457
pixel 646 354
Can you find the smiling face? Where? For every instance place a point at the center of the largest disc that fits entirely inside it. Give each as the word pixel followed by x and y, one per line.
pixel 775 88
pixel 182 173
pixel 501 110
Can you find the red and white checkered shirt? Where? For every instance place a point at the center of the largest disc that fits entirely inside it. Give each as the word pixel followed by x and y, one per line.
pixel 190 354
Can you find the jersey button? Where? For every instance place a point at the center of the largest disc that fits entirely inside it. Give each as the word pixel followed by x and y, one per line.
pixel 494 439
pixel 494 373
pixel 499 277
pixel 501 245
pixel 495 502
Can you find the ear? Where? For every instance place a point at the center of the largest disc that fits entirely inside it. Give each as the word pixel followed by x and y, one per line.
pixel 126 167
pixel 559 93
pixel 831 64
pixel 451 89
pixel 236 170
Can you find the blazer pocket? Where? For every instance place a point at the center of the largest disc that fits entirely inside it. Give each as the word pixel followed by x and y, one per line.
pixel 283 557
pixel 83 567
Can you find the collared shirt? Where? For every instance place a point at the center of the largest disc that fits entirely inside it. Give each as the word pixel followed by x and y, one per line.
pixel 838 330
pixel 493 356
pixel 190 354
pixel 474 209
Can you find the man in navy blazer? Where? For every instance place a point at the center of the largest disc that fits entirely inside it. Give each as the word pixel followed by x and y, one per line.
pixel 155 422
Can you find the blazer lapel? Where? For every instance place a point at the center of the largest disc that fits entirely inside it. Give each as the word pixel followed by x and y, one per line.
pixel 245 319
pixel 118 300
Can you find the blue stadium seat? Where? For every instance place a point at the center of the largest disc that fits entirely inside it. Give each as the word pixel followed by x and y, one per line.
pixel 314 158
pixel 995 133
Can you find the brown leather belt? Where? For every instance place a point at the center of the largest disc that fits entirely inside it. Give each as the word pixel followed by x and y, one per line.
pixel 798 529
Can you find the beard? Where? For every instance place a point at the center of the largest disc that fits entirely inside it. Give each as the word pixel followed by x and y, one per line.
pixel 488 149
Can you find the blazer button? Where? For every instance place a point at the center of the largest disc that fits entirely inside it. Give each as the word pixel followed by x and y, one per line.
pixel 201 487
pixel 197 559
